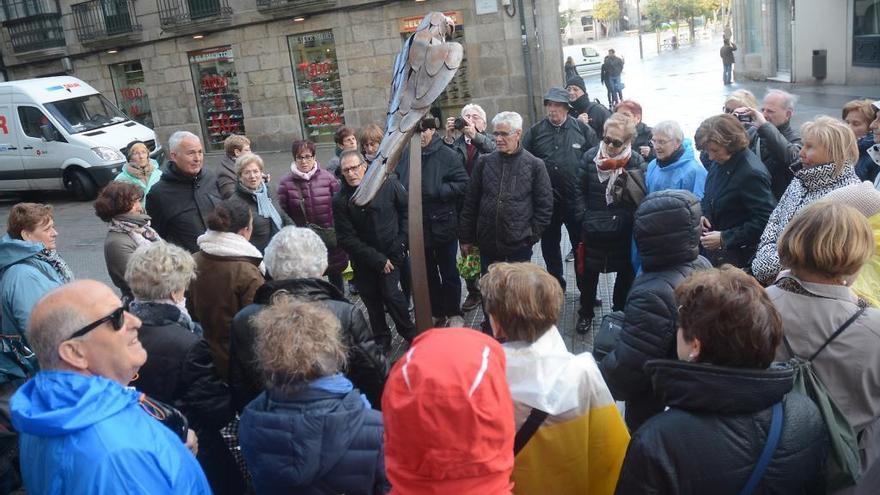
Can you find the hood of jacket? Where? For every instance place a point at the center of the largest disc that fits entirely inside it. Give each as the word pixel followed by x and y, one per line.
pixel 311 428
pixel 667 229
pixel 13 251
pixel 57 403
pixel 310 289
pixel 714 389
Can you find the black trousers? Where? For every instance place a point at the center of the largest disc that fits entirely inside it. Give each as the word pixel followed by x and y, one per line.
pixel 380 291
pixel 444 284
pixel 523 254
pixel 551 241
pixel 589 282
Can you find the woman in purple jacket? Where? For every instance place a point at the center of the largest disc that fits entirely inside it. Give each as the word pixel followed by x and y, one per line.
pixel 306 195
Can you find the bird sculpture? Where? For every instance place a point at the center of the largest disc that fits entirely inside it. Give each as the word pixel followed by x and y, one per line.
pixel 423 68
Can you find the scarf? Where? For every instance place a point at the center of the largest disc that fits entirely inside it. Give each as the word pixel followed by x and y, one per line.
pixel 674 157
pixel 337 384
pixel 51 257
pixel 229 244
pixel 304 175
pixel 265 208
pixel 163 312
pixel 609 168
pixel 142 173
pixel 142 235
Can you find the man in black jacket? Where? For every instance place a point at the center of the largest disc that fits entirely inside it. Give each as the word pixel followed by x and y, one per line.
pixel 773 139
pixel 559 141
pixel 375 238
pixel 508 204
pixel 588 112
pixel 179 204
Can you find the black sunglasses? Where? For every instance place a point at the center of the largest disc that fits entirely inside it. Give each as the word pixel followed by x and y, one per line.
pixel 617 143
pixel 116 318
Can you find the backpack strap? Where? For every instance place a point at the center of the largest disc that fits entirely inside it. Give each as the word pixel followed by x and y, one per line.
pixel 838 332
pixel 528 429
pixel 767 453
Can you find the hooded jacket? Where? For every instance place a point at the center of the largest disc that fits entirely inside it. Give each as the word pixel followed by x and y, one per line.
pixel 684 172
pixel 24 279
pixel 367 366
pixel 808 186
pixel 311 441
pixel 82 434
pixel 448 417
pixel 179 205
pixel 667 233
pixel 710 438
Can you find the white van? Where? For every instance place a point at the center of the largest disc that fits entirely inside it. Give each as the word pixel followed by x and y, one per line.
pixel 586 58
pixel 60 133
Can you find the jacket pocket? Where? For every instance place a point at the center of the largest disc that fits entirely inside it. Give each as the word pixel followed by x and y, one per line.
pixel 442 225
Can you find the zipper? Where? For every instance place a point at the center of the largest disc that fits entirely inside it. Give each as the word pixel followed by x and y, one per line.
pixel 498 202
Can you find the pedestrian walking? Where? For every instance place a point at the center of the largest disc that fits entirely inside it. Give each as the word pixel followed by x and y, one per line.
pixel 611 70
pixel 726 52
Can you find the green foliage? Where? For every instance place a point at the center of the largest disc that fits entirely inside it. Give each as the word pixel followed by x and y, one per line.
pixel 606 10
pixel 566 18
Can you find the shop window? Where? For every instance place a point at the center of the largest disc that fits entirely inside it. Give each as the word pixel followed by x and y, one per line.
pixel 866 33
pixel 317 86
pixel 216 82
pixel 131 92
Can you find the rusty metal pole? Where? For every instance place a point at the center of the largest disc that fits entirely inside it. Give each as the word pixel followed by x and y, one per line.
pixel 418 271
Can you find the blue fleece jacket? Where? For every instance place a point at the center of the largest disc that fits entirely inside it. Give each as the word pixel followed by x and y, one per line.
pixel 685 173
pixel 24 279
pixel 87 434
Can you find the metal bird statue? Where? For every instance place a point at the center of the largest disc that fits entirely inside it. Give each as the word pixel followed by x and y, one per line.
pixel 422 70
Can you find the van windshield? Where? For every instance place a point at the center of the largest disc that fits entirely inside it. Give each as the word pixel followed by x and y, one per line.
pixel 85 113
pixel 590 52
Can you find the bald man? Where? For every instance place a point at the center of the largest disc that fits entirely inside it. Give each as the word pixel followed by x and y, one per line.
pixel 82 429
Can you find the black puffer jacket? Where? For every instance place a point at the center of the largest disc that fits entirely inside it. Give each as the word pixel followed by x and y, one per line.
pixel 667 232
pixel 367 366
pixel 777 147
pixel 179 205
pixel 376 233
pixel 596 111
pixel 609 253
pixel 712 436
pixel 444 182
pixel 508 204
pixel 561 148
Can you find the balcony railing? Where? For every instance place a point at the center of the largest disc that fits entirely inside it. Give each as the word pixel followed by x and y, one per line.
pixel 186 15
pixel 33 24
pixel 96 21
pixel 294 6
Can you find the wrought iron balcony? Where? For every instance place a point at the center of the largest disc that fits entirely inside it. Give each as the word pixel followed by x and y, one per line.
pixel 193 15
pixel 99 22
pixel 33 25
pixel 294 6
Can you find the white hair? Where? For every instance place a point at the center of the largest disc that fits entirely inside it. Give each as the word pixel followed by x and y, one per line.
pixel 295 252
pixel 475 108
pixel 246 159
pixel 670 129
pixel 176 138
pixel 788 99
pixel 157 270
pixel 513 119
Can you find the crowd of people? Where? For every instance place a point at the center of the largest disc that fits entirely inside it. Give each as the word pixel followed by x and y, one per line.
pixel 233 361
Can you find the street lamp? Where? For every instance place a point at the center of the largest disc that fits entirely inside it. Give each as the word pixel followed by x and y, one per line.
pixel 639 27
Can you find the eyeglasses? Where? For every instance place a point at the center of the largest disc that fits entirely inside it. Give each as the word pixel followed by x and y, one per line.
pixel 727 110
pixel 116 318
pixel 346 171
pixel 304 158
pixel 617 143
pixel 503 133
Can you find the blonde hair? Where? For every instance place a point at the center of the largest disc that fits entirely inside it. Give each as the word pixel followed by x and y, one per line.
pixel 863 106
pixel 622 122
pixel 835 137
pixel 828 239
pixel 297 342
pixel 246 159
pixel 523 298
pixel 235 143
pixel 743 98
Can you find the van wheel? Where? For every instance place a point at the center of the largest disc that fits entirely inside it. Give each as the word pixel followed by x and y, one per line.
pixel 81 185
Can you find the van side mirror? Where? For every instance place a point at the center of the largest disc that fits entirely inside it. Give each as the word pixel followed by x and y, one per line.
pixel 48 132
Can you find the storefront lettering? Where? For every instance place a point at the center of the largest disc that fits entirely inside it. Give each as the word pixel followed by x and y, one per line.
pixel 209 57
pixel 214 82
pixel 322 114
pixel 131 93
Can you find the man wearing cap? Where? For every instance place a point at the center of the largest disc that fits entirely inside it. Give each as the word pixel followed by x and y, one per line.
pixel 560 141
pixel 588 112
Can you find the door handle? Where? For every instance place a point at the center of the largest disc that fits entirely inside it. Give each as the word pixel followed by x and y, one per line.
pixel 11 148
pixel 28 148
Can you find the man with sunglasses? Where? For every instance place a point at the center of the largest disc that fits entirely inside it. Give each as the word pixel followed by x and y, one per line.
pixel 82 429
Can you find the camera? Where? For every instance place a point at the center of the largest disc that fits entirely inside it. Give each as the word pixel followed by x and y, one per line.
pixel 744 117
pixel 459 123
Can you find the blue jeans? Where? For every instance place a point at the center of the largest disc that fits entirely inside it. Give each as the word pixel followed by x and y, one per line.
pixel 728 73
pixel 616 90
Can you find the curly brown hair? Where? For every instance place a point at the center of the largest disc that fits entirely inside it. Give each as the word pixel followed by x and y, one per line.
pixel 117 198
pixel 725 131
pixel 731 315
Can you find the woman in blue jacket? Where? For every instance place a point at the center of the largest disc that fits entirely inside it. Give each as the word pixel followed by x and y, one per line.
pixel 675 167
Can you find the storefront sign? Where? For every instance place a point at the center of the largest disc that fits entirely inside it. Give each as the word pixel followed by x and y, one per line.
pixel 216 83
pixel 409 24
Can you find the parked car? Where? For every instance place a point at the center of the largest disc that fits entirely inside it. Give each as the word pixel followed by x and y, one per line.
pixel 586 58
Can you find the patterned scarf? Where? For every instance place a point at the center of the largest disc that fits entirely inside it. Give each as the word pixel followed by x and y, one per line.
pixel 142 235
pixel 51 256
pixel 265 208
pixel 142 173
pixel 609 168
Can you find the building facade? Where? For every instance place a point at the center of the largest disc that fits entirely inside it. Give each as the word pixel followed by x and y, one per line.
pixel 275 70
pixel 778 40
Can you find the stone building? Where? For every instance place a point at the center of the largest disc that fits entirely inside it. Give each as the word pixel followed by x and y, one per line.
pixel 274 70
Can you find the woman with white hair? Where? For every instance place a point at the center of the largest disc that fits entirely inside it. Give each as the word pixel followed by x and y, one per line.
pixel 252 188
pixel 180 368
pixel 296 259
pixel 675 167
pixel 828 156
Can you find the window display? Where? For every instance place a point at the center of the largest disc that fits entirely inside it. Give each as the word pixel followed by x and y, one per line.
pixel 316 81
pixel 131 91
pixel 217 91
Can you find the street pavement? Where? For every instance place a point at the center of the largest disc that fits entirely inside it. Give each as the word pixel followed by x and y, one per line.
pixel 683 85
